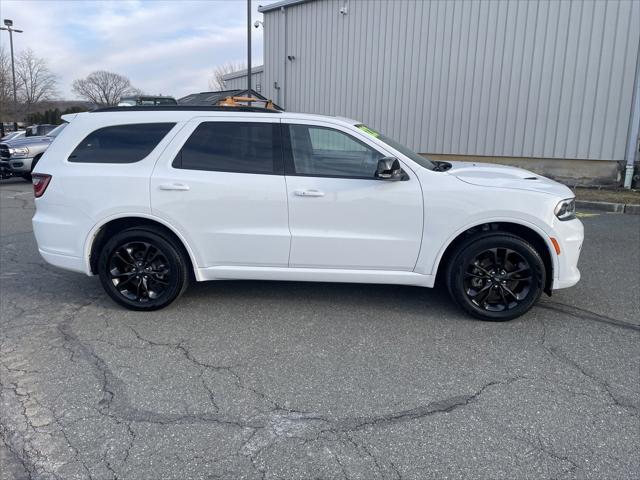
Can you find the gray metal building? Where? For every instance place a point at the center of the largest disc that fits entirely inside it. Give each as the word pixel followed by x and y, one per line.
pixel 527 82
pixel 238 80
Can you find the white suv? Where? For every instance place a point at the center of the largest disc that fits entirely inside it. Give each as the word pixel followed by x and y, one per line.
pixel 149 198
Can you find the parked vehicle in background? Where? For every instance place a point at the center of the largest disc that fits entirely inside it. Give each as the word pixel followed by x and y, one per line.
pixel 148 197
pixel 19 156
pixel 146 101
pixel 12 136
pixel 39 130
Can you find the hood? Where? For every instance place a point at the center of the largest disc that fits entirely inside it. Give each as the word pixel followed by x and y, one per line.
pixel 28 141
pixel 502 176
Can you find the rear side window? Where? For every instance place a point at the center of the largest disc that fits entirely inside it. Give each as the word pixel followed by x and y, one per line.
pixel 241 147
pixel 120 143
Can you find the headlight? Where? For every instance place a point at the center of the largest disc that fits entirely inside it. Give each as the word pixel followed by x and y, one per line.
pixel 19 152
pixel 566 209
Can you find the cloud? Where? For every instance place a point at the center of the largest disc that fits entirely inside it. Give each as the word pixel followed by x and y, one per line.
pixel 167 46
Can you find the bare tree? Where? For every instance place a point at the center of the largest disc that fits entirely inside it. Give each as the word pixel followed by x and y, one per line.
pixel 6 87
pixel 216 82
pixel 104 88
pixel 35 81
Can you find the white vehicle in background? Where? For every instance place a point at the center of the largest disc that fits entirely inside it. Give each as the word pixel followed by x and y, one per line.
pixel 146 101
pixel 151 197
pixel 13 135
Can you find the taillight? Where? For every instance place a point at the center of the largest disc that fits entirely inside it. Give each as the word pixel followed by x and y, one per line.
pixel 40 183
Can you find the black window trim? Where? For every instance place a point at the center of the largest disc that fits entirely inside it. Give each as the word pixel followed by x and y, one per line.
pixel 70 160
pixel 278 150
pixel 289 164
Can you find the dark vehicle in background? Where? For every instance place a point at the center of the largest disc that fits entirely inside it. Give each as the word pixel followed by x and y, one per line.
pixel 39 130
pixel 147 101
pixel 19 156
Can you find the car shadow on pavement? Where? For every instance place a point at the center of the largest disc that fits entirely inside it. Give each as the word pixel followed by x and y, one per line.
pixel 296 295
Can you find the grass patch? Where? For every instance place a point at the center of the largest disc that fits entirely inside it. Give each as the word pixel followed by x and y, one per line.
pixel 608 195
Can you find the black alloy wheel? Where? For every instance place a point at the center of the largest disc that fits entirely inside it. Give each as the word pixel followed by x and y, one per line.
pixel 496 276
pixel 139 271
pixel 497 279
pixel 142 269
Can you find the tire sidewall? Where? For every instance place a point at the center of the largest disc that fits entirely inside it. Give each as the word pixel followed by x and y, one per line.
pixel 470 250
pixel 175 259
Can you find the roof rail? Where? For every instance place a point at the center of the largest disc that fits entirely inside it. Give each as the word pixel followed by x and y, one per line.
pixel 179 108
pixel 241 102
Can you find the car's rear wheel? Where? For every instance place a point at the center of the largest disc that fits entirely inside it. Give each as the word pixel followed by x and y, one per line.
pixel 496 277
pixel 143 269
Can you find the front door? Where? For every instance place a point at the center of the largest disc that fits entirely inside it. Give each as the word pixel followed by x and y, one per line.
pixel 340 215
pixel 221 184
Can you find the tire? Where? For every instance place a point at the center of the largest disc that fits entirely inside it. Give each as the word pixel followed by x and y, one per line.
pixel 495 276
pixel 142 268
pixel 27 176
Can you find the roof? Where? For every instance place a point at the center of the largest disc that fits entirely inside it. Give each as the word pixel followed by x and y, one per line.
pixel 146 96
pixel 243 73
pixel 204 99
pixel 280 4
pixel 184 108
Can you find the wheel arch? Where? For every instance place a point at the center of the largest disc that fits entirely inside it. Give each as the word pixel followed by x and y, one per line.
pixel 536 237
pixel 111 225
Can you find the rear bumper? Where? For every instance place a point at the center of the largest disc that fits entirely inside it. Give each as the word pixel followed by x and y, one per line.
pixel 75 264
pixel 570 236
pixel 60 233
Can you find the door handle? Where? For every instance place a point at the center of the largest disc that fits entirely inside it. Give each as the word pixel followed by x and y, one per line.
pixel 309 193
pixel 174 186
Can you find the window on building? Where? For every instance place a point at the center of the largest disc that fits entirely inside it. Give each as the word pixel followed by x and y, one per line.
pixel 120 143
pixel 321 151
pixel 242 147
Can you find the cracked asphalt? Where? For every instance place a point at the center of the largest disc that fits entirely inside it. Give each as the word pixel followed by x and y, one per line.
pixel 253 380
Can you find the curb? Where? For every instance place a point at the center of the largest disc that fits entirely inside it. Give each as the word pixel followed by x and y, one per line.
pixel 609 207
pixel 632 209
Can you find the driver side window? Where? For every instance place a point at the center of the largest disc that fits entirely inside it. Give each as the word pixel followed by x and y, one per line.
pixel 325 152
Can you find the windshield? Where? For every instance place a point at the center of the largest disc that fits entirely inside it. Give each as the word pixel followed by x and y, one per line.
pixel 407 152
pixel 57 130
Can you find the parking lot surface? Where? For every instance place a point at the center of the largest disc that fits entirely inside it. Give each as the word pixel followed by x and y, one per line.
pixel 301 380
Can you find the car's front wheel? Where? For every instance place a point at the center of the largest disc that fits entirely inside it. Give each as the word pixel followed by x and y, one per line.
pixel 496 276
pixel 143 269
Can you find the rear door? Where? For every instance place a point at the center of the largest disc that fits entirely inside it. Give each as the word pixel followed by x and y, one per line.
pixel 221 184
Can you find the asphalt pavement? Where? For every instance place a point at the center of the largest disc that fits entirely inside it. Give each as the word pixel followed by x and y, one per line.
pixel 252 380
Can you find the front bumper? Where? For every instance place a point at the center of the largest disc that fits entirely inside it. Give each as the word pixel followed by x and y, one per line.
pixel 20 166
pixel 570 236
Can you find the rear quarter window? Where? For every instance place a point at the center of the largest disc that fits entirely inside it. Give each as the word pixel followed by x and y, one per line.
pixel 120 143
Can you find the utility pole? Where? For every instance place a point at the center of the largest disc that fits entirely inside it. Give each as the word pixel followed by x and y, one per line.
pixel 9 27
pixel 249 48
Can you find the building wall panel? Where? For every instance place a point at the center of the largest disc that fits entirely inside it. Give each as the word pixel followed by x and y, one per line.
pixel 238 83
pixel 529 78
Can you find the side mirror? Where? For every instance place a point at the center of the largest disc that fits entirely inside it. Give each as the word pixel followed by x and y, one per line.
pixel 389 169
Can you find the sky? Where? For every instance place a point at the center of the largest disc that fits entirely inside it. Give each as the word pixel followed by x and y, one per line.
pixel 168 47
